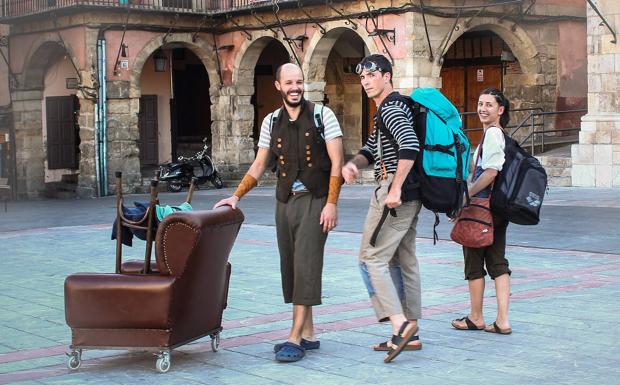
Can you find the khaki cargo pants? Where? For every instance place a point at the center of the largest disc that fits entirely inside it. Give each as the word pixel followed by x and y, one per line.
pixel 390 267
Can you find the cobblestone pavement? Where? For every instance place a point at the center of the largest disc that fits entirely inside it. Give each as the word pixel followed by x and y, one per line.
pixel 564 306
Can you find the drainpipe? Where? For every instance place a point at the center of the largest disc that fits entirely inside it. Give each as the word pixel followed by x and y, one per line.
pixel 101 150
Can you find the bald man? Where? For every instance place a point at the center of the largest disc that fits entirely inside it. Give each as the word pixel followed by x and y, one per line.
pixel 306 143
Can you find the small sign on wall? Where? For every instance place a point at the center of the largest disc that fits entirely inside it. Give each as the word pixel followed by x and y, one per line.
pixel 72 83
pixel 124 64
pixel 479 75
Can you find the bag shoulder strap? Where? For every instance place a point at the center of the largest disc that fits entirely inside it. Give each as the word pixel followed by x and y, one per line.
pixel 318 120
pixel 274 117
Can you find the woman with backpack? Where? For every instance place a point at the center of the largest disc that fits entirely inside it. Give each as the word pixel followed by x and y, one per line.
pixel 493 112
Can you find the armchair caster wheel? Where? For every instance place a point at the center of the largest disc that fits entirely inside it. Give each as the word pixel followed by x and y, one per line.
pixel 75 359
pixel 215 342
pixel 163 362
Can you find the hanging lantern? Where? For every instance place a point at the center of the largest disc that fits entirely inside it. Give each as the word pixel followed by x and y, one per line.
pixel 160 61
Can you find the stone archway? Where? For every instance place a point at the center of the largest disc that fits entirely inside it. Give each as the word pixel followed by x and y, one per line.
pixel 201 49
pixel 319 48
pixel 235 110
pixel 518 40
pixel 28 116
pixel 329 66
pixel 123 112
pixel 529 84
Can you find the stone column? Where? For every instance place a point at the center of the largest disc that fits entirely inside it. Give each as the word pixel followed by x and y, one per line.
pixel 29 151
pixel 596 159
pixel 87 179
pixel 314 91
pixel 233 118
pixel 123 135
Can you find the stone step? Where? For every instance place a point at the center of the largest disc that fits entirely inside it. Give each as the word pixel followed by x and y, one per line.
pixel 558 165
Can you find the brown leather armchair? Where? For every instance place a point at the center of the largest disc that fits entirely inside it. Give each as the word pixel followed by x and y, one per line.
pixel 181 301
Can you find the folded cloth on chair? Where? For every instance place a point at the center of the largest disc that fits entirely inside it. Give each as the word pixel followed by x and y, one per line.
pixel 164 211
pixel 136 213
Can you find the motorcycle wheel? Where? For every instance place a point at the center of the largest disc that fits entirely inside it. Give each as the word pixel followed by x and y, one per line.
pixel 217 181
pixel 175 186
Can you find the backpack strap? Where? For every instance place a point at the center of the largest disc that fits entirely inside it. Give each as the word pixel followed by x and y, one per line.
pixel 318 120
pixel 274 117
pixel 381 126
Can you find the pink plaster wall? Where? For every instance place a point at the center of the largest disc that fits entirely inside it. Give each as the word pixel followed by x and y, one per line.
pixel 22 46
pixel 55 85
pixel 158 83
pixel 572 82
pixel 135 40
pixel 396 22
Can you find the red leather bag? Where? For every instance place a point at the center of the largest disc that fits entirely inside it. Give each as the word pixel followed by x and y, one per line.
pixel 474 225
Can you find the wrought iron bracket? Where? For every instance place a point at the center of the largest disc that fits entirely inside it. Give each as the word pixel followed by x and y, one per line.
pixel 265 26
pixel 202 24
pixel 390 34
pixel 217 49
pixel 245 32
pixel 289 41
pixel 379 32
pixel 169 32
pixel 4 42
pixel 603 21
pixel 312 20
pixel 347 21
pixel 431 58
pixel 297 40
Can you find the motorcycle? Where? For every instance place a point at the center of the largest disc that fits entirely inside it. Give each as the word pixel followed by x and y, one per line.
pixel 199 166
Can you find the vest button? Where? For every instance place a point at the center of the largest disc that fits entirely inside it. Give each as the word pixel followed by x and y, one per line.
pixel 279 139
pixel 307 146
pixel 279 145
pixel 282 161
pixel 308 158
pixel 284 174
pixel 281 156
pixel 308 152
pixel 307 134
pixel 309 164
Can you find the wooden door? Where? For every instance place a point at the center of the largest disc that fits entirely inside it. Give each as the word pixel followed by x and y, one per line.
pixel 478 78
pixel 62 132
pixel 453 86
pixel 148 130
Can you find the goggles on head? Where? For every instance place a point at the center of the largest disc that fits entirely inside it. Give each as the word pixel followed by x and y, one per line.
pixel 369 66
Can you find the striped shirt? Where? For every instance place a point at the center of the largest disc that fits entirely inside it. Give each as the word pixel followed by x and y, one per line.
pixel 398 120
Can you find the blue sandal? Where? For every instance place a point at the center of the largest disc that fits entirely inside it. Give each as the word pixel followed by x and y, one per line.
pixel 308 345
pixel 290 352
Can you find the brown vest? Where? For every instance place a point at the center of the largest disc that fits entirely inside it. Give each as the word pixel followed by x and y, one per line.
pixel 300 153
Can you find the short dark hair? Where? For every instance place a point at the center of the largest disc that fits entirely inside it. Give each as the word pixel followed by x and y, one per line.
pixel 502 101
pixel 381 61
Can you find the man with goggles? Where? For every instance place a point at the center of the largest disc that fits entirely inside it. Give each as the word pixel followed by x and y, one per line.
pixel 368 65
pixel 387 257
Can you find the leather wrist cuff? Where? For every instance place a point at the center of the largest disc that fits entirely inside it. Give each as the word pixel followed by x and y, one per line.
pixel 335 183
pixel 247 183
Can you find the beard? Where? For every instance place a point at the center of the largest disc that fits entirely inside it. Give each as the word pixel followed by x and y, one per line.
pixel 288 102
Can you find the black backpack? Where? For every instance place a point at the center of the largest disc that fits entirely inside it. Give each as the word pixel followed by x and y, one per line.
pixel 520 187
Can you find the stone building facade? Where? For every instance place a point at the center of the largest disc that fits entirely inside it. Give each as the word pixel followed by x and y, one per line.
pixel 596 158
pixel 232 52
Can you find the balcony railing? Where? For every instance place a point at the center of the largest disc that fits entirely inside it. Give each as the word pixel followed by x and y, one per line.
pixel 11 9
